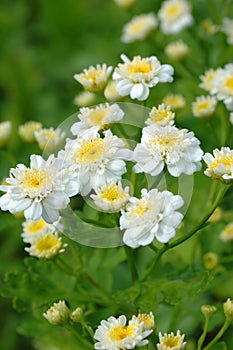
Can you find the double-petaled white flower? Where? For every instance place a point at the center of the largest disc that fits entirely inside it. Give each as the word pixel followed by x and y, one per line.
pixel 49 139
pixel 94 79
pixel 96 160
pixel 117 333
pixel 139 28
pixel 40 190
pixel 174 16
pixel 220 164
pixel 223 85
pixel 171 341
pixel 161 115
pixel 101 116
pixel 178 149
pixel 152 216
pixel 136 77
pixel 204 107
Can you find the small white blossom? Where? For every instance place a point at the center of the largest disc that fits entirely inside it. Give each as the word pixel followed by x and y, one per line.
pixel 139 28
pixel 94 79
pixel 227 233
pixel 58 313
pixel 174 16
pixel 49 139
pixel 111 93
pixel 171 341
pixel 84 99
pixel 223 85
pixel 147 320
pixel 135 77
pixel 161 116
pixel 33 228
pixel 101 116
pixel 178 149
pixel 152 216
pixel 227 28
pixel 5 131
pixel 207 79
pixel 177 50
pixel 27 130
pixel 204 107
pixel 175 101
pixel 220 164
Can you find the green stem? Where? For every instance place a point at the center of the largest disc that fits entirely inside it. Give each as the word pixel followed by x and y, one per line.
pixel 80 338
pixel 131 262
pixel 219 334
pixel 203 335
pixel 88 329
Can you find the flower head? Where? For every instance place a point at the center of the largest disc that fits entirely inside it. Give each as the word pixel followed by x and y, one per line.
pixel 227 28
pixel 94 79
pixel 207 79
pixel 84 99
pixel 101 116
pixel 171 341
pixel 226 234
pixel 216 216
pixel 49 139
pixel 58 313
pixel 175 16
pixel 96 160
pixel 147 320
pixel 220 164
pixel 139 28
pixel 204 107
pixel 111 197
pixel 116 334
pixel 210 260
pixel 177 50
pixel 33 228
pixel 135 77
pixel 152 216
pixel 5 130
pixel 160 145
pixel 161 115
pixel 228 309
pixel 208 310
pixel 223 85
pixel 27 130
pixel 175 101
pixel 111 93
pixel 40 190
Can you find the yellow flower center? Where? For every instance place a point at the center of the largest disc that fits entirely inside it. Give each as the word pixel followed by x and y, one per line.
pixel 173 11
pixel 171 341
pixel 97 116
pixel 137 26
pixel 93 75
pixel 167 142
pixel 47 244
pixel 229 84
pixel 227 161
pixel 202 105
pixel 91 151
pixel 49 134
pixel 147 319
pixel 229 230
pixel 120 332
pixel 34 179
pixel 112 193
pixel 160 115
pixel 139 66
pixel 36 226
pixel 141 208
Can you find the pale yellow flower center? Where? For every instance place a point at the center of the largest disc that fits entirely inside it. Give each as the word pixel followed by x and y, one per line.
pixel 91 151
pixel 36 226
pixel 120 332
pixel 227 161
pixel 139 66
pixel 147 319
pixel 228 230
pixel 98 116
pixel 112 193
pixel 203 105
pixel 174 101
pixel 34 179
pixel 93 75
pixel 229 84
pixel 138 26
pixel 141 208
pixel 160 114
pixel 48 134
pixel 171 341
pixel 47 244
pixel 167 142
pixel 173 11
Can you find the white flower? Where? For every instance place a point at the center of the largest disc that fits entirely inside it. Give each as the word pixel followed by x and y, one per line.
pixel 84 99
pixel 27 130
pixel 102 116
pixel 49 139
pixel 147 320
pixel 220 164
pixel 223 85
pixel 177 50
pixel 227 233
pixel 227 28
pixel 96 160
pixel 111 197
pixel 231 118
pixel 33 228
pixel 5 130
pixel 178 149
pixel 152 216
pixel 135 77
pixel 204 107
pixel 175 16
pixel 116 334
pixel 46 246
pixel 139 28
pixel 175 101
pixel 58 313
pixel 111 93
pixel 171 341
pixel 94 79
pixel 161 116
pixel 40 190
pixel 207 79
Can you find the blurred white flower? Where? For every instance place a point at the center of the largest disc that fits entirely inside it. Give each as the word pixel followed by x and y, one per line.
pixel 111 197
pixel 160 146
pixel 5 131
pixel 161 116
pixel 116 334
pixel 174 16
pixel 227 28
pixel 58 313
pixel 175 101
pixel 94 79
pixel 27 130
pixel 147 320
pixel 220 164
pixel 171 341
pixel 152 216
pixel 111 93
pixel 204 107
pixel 84 99
pixel 49 139
pixel 40 190
pixel 177 50
pixel 96 160
pixel 32 229
pixel 223 85
pixel 139 27
pixel 207 79
pixel 135 77
pixel 227 233
pixel 101 116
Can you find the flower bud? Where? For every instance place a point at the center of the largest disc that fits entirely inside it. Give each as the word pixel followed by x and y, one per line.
pixel 58 314
pixel 77 315
pixel 228 309
pixel 208 310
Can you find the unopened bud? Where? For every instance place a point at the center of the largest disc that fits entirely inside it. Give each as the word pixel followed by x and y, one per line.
pixel 228 309
pixel 77 315
pixel 208 310
pixel 58 314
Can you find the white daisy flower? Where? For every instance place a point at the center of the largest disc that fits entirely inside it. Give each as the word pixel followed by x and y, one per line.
pixel 102 116
pixel 40 190
pixel 220 164
pixel 207 79
pixel 174 16
pixel 96 160
pixel 58 313
pixel 111 93
pixel 147 320
pixel 46 246
pixel 171 341
pixel 161 116
pixel 223 85
pixel 152 216
pixel 177 50
pixel 111 197
pixel 33 228
pixel 139 28
pixel 94 79
pixel 84 99
pixel 49 139
pixel 227 28
pixel 175 101
pixel 178 149
pixel 204 107
pixel 5 131
pixel 116 334
pixel 27 130
pixel 135 77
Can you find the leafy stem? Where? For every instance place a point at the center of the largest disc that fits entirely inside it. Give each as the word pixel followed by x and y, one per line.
pixel 131 262
pixel 219 334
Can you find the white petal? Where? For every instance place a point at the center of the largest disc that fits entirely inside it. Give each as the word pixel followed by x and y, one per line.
pixel 34 212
